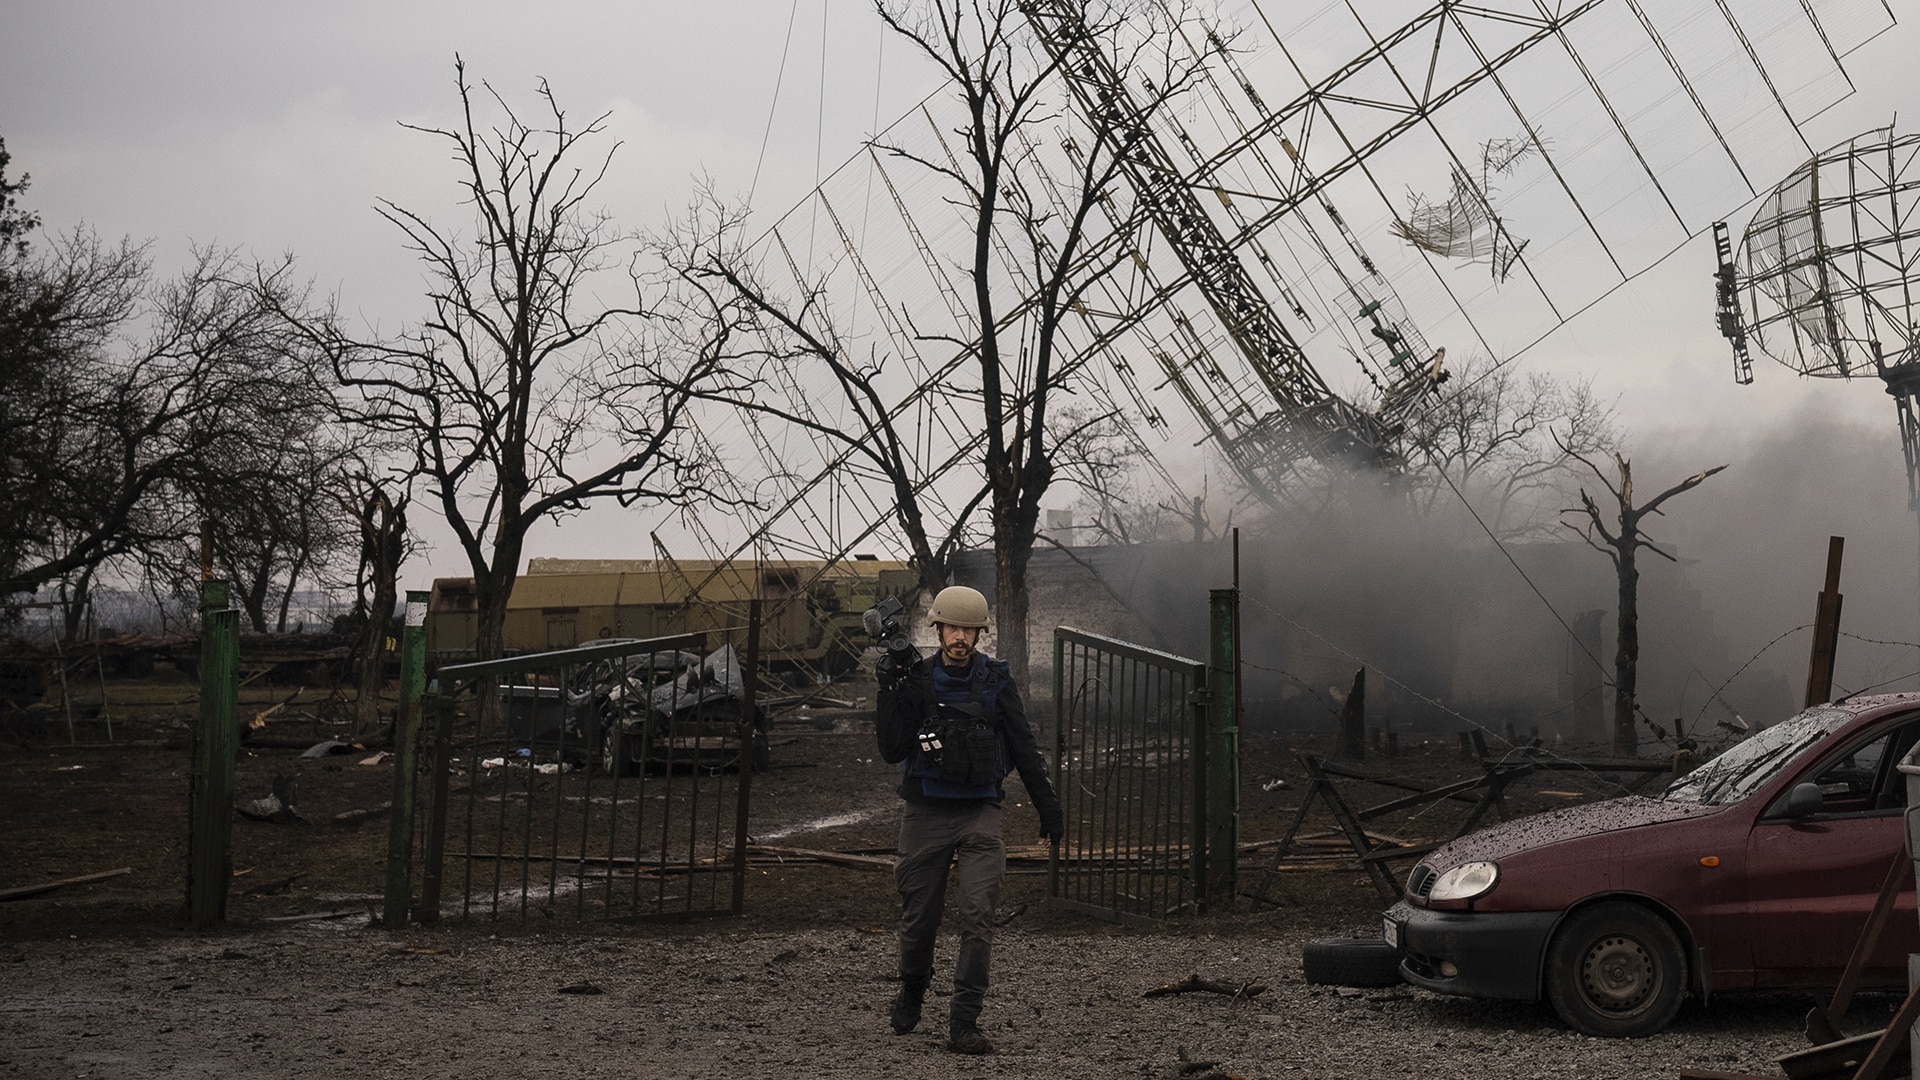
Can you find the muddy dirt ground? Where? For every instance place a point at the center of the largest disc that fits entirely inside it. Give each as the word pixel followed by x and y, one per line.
pixel 101 982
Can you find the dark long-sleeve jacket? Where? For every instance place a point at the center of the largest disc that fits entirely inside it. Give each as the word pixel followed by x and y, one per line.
pixel 906 701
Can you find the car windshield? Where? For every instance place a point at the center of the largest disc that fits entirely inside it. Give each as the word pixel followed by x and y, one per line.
pixel 1745 766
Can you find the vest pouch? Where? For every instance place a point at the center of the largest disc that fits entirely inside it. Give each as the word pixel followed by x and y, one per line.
pixel 969 753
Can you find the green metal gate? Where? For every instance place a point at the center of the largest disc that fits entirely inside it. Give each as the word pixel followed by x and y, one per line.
pixel 607 781
pixel 1130 759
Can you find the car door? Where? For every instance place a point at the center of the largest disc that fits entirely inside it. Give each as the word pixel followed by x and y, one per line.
pixel 1811 882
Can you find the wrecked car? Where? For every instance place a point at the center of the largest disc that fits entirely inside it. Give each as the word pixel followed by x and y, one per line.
pixel 1755 871
pixel 673 710
pixel 667 709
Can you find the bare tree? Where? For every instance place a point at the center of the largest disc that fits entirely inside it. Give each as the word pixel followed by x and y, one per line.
pixel 1032 215
pixel 1510 445
pixel 277 524
pixel 781 353
pixel 1101 456
pixel 1007 83
pixel 122 444
pixel 1622 543
pixel 526 397
pixel 378 505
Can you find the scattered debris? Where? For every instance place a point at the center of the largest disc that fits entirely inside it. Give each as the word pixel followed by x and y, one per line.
pixel 312 916
pixel 1190 1069
pixel 260 718
pixel 377 758
pixel 23 891
pixel 277 807
pixel 1194 983
pixel 328 748
pixel 355 817
pixel 274 888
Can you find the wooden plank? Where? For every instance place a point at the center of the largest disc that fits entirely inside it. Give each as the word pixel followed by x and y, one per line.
pixel 836 858
pixel 23 891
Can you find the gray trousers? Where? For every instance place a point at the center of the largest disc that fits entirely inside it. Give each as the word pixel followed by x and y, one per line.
pixel 966 838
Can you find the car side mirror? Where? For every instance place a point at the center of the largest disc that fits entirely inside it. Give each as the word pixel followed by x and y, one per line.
pixel 1805 800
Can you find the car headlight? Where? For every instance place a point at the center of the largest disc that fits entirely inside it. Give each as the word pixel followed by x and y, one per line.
pixel 1466 881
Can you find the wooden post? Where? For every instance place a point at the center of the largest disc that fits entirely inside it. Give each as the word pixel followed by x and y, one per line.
pixel 1223 753
pixel 1826 629
pixel 1352 743
pixel 406 750
pixel 216 737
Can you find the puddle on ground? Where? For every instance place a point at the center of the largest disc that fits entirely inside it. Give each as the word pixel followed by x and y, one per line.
pixel 833 821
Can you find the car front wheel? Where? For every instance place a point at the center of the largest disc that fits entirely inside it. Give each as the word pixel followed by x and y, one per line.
pixel 1616 970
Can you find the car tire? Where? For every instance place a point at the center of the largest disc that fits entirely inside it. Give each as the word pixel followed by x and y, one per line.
pixel 1351 962
pixel 1616 970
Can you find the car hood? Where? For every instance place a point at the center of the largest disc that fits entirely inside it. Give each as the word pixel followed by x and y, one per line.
pixel 1554 826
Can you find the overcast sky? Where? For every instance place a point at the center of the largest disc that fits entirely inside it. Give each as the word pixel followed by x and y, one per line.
pixel 273 127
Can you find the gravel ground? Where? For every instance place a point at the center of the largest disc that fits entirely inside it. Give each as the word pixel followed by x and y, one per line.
pixel 720 1001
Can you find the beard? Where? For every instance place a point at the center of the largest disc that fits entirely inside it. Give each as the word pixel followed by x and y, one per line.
pixel 957 653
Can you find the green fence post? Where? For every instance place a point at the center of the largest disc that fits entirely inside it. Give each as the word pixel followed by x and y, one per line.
pixel 1059 753
pixel 406 749
pixel 1223 750
pixel 438 705
pixel 216 738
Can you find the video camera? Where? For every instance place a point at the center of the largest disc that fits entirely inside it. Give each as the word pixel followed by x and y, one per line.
pixel 882 620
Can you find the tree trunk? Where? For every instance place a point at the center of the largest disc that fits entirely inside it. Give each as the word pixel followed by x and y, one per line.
pixel 253 597
pixel 383 528
pixel 77 602
pixel 1010 623
pixel 1626 659
pixel 373 657
pixel 294 569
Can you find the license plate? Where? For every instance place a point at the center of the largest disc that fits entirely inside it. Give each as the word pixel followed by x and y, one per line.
pixel 1390 932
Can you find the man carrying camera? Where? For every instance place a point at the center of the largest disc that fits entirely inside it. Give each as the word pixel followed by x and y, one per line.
pixel 955 724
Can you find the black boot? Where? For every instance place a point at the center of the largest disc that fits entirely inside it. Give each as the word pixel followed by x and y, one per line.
pixel 906 1006
pixel 968 1040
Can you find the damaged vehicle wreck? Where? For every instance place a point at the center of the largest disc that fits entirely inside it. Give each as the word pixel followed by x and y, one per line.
pixel 675 710
pixel 1756 871
pixel 658 711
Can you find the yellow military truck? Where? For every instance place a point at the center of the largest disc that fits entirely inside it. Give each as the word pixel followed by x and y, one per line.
pixel 810 608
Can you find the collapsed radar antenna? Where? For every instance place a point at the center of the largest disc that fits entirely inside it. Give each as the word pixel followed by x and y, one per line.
pixel 1828 279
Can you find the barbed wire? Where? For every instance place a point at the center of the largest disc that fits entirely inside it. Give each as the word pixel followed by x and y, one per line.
pixel 1716 690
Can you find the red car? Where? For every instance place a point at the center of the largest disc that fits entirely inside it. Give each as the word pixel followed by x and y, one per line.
pixel 1756 871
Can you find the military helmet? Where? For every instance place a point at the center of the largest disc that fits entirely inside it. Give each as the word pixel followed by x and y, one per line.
pixel 957 605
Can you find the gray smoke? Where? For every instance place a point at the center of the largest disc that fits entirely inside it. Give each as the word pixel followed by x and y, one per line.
pixel 1454 636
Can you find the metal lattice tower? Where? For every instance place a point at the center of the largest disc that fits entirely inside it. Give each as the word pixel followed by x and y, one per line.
pixel 1260 285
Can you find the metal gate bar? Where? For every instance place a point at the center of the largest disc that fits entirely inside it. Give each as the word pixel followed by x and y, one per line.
pixel 654 740
pixel 1127 754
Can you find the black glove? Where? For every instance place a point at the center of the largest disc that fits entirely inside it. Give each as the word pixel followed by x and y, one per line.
pixel 889 671
pixel 1053 824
